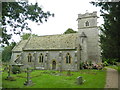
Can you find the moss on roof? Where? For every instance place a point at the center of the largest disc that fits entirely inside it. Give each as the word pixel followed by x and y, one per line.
pixel 20 45
pixel 63 41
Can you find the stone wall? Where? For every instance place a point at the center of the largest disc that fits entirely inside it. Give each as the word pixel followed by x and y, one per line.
pixel 91 31
pixel 14 56
pixel 49 57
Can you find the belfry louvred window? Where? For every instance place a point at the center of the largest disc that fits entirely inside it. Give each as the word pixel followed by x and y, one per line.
pixel 86 23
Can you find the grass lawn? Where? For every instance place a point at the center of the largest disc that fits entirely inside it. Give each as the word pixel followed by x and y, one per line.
pixel 0 80
pixel 115 67
pixel 52 79
pixel 0 77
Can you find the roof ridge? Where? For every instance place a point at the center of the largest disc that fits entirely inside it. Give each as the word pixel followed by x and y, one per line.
pixel 55 35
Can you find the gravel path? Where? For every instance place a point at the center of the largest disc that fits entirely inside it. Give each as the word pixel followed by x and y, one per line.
pixel 112 78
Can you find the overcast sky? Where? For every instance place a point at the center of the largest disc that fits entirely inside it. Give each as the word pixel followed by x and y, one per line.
pixel 66 13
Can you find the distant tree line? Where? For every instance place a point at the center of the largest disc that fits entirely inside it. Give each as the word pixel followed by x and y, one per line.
pixel 69 30
pixel 7 52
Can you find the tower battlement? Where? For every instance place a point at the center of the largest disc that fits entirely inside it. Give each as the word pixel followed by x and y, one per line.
pixel 87 20
pixel 87 15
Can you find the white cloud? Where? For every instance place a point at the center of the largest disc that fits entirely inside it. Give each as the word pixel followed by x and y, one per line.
pixel 66 12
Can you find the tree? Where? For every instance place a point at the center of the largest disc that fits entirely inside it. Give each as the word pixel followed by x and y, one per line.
pixel 7 52
pixel 110 30
pixel 69 30
pixel 25 36
pixel 16 14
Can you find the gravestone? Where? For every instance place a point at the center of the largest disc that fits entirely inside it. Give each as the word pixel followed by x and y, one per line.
pixel 69 73
pixel 9 77
pixel 60 70
pixel 9 71
pixel 79 80
pixel 28 82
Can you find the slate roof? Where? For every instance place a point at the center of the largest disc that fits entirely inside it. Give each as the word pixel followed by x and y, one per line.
pixel 20 45
pixel 63 41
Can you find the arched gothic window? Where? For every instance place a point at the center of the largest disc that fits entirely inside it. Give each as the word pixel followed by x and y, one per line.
pixel 68 58
pixel 29 57
pixel 41 58
pixel 86 23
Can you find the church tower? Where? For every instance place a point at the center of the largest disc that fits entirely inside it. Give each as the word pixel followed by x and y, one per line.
pixel 87 26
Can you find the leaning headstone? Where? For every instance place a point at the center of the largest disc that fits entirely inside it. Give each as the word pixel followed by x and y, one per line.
pixel 28 82
pixel 79 80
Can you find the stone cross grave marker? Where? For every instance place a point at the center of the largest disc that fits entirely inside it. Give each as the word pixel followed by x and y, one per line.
pixel 9 77
pixel 9 71
pixel 28 82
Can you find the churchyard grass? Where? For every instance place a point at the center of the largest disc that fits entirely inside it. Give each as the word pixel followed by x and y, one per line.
pixel 0 81
pixel 115 67
pixel 53 79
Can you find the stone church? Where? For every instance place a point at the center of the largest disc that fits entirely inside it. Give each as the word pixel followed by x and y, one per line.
pixel 64 51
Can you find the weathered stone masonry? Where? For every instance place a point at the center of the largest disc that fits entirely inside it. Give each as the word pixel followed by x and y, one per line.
pixel 61 52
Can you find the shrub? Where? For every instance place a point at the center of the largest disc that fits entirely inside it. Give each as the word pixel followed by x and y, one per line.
pixel 105 63
pixel 110 61
pixel 81 65
pixel 86 65
pixel 16 70
pixel 90 63
pixel 5 68
pixel 97 66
